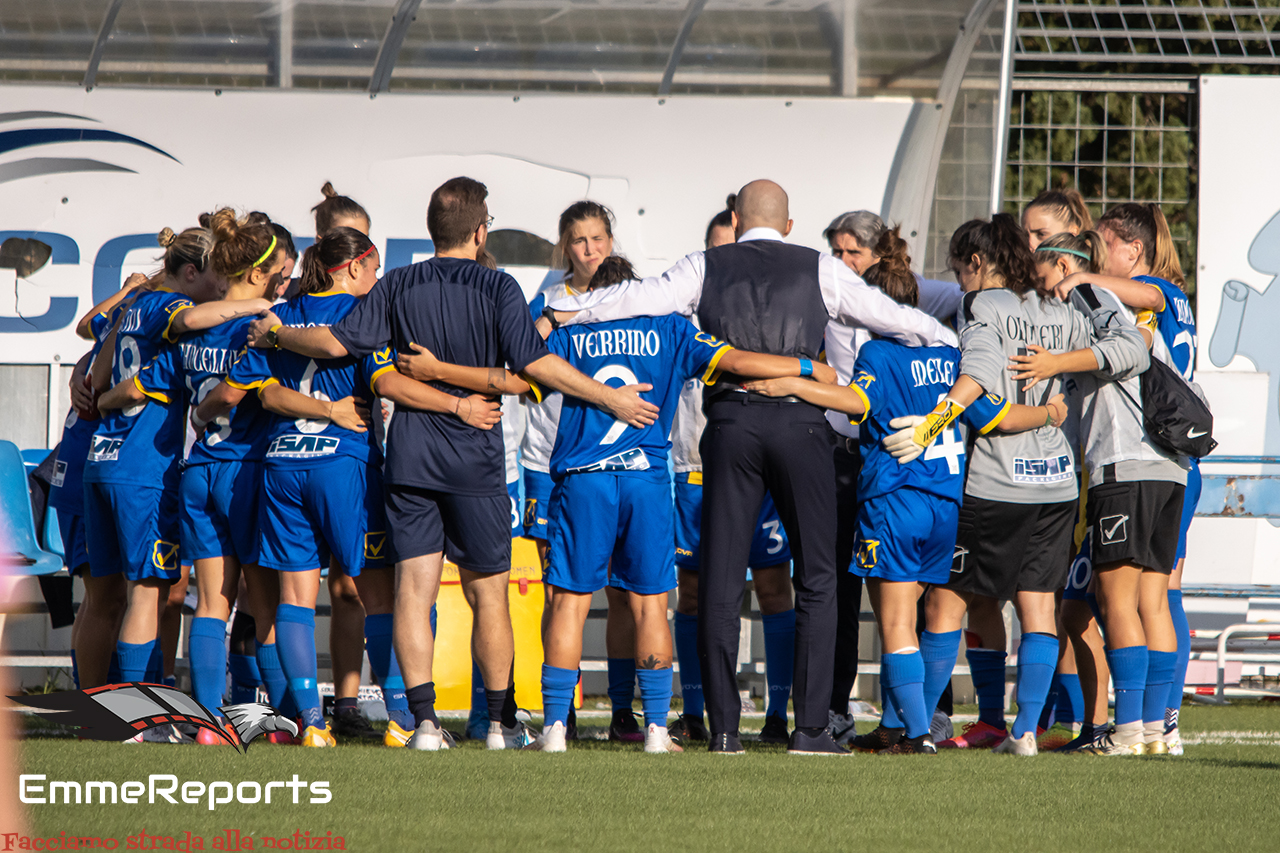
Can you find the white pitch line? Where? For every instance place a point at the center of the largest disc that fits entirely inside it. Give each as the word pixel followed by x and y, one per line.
pixel 1219 738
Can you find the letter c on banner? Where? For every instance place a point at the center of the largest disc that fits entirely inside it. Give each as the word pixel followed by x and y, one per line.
pixel 106 266
pixel 62 309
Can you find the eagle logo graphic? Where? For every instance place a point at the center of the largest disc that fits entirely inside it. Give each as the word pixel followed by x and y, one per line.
pixel 117 712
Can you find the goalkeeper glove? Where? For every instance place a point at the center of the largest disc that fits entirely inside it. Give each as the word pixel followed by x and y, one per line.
pixel 915 433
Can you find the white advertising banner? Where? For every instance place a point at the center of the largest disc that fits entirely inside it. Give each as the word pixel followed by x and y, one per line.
pixel 96 175
pixel 1238 313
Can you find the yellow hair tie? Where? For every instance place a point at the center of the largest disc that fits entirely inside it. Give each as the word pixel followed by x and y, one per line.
pixel 271 250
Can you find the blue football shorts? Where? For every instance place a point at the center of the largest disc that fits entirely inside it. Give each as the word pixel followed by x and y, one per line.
pixel 133 530
pixel 607 529
pixel 769 546
pixel 219 512
pixel 308 514
pixel 537 503
pixel 71 529
pixel 517 518
pixel 906 535
pixel 1189 502
pixel 1081 573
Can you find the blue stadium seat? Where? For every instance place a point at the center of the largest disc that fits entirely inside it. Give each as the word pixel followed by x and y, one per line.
pixel 33 457
pixel 15 505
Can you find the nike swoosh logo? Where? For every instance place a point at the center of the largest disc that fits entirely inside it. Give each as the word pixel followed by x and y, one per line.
pixel 1116 526
pixel 1196 433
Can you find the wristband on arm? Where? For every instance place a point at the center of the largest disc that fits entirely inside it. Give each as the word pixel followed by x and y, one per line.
pixel 806 367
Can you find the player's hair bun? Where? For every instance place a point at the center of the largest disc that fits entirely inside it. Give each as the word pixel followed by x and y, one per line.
pixel 166 237
pixel 328 191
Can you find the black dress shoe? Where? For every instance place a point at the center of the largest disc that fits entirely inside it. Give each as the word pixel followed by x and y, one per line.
pixel 803 743
pixel 774 731
pixel 727 743
pixel 881 737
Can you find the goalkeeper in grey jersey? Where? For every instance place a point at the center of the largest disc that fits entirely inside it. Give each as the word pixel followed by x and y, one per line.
pixel 1015 533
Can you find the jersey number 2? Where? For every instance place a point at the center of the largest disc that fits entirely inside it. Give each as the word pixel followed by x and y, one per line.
pixel 603 375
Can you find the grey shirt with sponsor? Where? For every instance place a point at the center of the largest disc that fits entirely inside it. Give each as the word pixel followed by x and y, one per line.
pixel 1037 466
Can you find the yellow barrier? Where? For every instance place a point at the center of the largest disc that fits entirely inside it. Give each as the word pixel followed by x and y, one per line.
pixel 452 670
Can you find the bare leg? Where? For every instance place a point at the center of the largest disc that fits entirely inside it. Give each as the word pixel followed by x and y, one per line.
pixel 346 633
pixel 620 626
pixel 417 584
pixel 772 587
pixel 1090 658
pixel 99 623
pixel 262 590
pixel 171 619
pixel 563 640
pixel 492 642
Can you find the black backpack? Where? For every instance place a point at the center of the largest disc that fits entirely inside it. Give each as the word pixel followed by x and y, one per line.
pixel 1173 415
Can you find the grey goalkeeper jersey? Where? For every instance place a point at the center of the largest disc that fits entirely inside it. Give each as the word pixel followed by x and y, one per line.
pixel 1037 466
pixel 1116 446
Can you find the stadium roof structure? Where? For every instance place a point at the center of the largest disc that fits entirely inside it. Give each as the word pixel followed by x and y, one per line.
pixel 768 47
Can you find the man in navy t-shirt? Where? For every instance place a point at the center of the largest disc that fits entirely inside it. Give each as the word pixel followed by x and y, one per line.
pixel 445 481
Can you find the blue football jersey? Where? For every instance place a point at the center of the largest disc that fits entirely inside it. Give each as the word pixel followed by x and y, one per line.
pixel 67 492
pixel 1177 324
pixel 141 445
pixel 896 380
pixel 196 366
pixel 302 440
pixel 662 351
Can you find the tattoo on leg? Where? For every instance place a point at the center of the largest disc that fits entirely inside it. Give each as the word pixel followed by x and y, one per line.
pixel 653 662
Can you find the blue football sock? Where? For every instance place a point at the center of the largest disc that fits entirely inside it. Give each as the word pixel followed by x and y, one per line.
pixel 622 682
pixel 939 652
pixel 382 660
pixel 1155 698
pixel 208 650
pixel 1050 713
pixel 296 645
pixel 132 658
pixel 903 677
pixel 779 659
pixel 244 678
pixel 686 636
pixel 478 719
pixel 75 670
pixel 557 693
pixel 155 665
pixel 272 674
pixel 655 695
pixel 986 668
pixel 1183 630
pixel 889 716
pixel 1070 698
pixel 1037 660
pixel 1129 675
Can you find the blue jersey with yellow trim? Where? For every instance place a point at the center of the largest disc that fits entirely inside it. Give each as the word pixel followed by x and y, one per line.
pixel 67 492
pixel 662 351
pixel 1177 324
pixel 196 366
pixel 301 440
pixel 142 444
pixel 896 380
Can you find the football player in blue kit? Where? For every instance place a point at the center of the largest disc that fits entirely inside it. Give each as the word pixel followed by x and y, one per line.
pixel 1143 271
pixel 907 518
pixel 612 498
pixel 66 495
pixel 223 471
pixel 131 474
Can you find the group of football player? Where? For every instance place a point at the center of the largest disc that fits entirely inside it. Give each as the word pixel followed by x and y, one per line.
pixel 212 433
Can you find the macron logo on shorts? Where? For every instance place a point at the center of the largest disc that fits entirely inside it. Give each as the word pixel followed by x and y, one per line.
pixel 1115 529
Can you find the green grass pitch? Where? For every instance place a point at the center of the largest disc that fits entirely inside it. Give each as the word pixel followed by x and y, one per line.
pixel 1224 795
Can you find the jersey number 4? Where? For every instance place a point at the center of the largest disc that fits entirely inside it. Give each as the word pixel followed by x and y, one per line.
pixel 949 446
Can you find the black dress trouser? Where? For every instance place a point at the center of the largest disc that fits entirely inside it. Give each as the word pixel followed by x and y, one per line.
pixel 848 464
pixel 749 447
